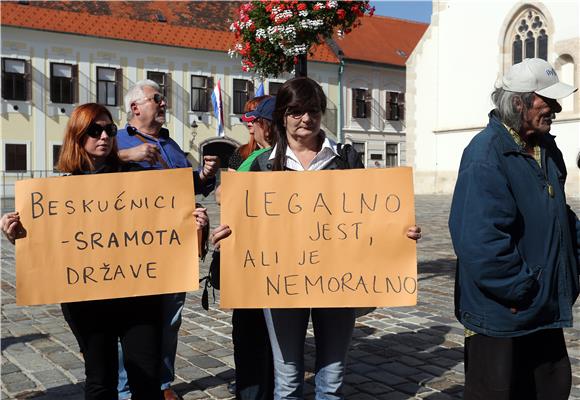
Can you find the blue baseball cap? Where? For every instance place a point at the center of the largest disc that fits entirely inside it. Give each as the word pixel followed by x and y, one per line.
pixel 264 110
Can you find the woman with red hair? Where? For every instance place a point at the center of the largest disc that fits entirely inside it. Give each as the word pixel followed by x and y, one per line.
pixel 90 147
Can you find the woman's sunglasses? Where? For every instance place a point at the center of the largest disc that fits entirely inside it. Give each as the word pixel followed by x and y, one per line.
pixel 95 130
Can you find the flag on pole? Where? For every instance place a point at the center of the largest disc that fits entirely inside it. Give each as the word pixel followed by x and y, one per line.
pixel 260 91
pixel 216 99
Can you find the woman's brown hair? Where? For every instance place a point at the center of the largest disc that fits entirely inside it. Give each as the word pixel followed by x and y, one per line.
pixel 246 149
pixel 296 95
pixel 73 156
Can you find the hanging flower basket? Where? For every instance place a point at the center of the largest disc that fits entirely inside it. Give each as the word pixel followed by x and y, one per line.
pixel 271 35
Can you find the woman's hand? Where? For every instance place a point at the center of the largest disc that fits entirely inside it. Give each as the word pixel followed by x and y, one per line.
pixel 414 232
pixel 12 227
pixel 201 218
pixel 219 233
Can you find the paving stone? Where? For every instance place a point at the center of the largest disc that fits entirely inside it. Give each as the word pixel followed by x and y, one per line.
pixel 420 348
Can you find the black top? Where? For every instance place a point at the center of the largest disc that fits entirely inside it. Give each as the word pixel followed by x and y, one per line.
pixel 235 159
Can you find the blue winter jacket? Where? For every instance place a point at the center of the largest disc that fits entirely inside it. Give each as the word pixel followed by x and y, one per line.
pixel 517 241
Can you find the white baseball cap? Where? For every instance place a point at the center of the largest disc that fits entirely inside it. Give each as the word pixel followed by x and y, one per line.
pixel 538 76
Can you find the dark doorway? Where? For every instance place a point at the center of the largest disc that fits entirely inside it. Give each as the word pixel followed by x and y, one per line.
pixel 221 147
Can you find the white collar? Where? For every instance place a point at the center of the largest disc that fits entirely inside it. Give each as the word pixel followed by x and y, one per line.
pixel 323 157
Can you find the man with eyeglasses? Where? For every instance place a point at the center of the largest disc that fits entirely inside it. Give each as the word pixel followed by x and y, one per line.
pixel 145 141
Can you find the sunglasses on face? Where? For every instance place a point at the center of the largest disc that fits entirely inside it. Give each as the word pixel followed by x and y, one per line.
pixel 95 130
pixel 157 98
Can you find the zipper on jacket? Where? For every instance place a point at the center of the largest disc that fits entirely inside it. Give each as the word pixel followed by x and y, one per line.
pixel 543 174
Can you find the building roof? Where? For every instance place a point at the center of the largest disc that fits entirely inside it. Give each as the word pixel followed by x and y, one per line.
pixel 213 15
pixel 382 40
pixel 137 22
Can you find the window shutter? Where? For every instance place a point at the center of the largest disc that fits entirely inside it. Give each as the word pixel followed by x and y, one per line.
pixel 209 90
pixel 75 83
pixel 168 87
pixel 119 86
pixel 250 90
pixel 354 110
pixel 401 106
pixel 53 91
pixel 28 78
pixel 368 98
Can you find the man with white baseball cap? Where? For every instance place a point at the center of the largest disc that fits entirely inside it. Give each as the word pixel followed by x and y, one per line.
pixel 517 244
pixel 538 76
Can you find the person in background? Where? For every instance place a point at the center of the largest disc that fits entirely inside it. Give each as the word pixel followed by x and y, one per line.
pixel 254 143
pixel 517 244
pixel 261 137
pixel 254 379
pixel 145 141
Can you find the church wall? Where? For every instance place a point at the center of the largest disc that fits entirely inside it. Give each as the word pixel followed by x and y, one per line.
pixel 451 75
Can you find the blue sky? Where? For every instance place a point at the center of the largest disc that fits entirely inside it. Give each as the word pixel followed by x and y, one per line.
pixel 413 10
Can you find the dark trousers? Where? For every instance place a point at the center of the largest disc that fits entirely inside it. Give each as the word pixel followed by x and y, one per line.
pixel 530 367
pixel 252 355
pixel 98 324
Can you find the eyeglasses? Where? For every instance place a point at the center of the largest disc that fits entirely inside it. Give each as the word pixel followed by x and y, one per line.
pixel 299 114
pixel 95 130
pixel 157 98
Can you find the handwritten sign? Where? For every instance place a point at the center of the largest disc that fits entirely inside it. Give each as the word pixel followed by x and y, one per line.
pixel 318 239
pixel 106 236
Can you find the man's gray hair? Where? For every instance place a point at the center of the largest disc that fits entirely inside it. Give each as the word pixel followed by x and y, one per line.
pixel 136 93
pixel 506 106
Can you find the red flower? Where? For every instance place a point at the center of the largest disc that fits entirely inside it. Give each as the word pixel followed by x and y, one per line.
pixel 340 13
pixel 301 7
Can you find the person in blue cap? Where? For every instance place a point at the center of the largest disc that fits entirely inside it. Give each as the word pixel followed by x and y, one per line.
pixel 254 379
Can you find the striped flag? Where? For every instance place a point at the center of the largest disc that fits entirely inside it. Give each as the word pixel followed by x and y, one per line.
pixel 218 110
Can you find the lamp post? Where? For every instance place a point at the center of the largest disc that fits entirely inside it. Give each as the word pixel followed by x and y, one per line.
pixel 301 68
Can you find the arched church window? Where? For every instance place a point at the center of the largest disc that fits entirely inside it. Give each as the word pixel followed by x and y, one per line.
pixel 517 50
pixel 543 45
pixel 529 36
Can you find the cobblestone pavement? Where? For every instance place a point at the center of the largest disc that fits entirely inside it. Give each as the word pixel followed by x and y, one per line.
pixel 399 353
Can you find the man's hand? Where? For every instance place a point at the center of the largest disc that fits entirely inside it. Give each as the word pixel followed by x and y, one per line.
pixel 144 152
pixel 211 165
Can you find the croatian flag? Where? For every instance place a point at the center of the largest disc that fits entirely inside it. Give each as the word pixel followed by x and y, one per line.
pixel 218 110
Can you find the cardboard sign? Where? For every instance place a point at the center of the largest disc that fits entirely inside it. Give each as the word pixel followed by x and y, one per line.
pixel 318 239
pixel 106 236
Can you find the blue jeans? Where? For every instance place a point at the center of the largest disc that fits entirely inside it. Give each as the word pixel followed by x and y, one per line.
pixel 172 307
pixel 333 329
